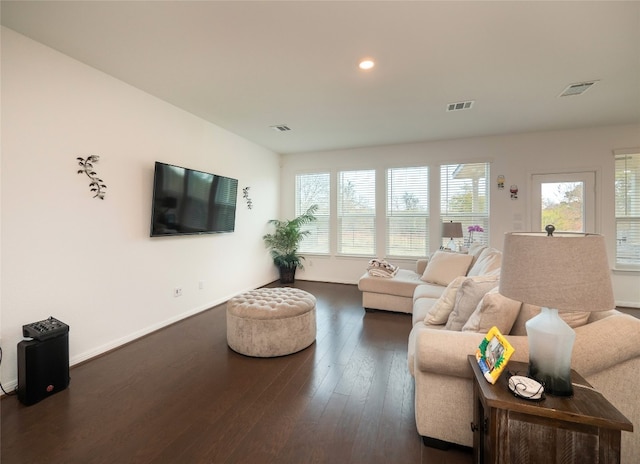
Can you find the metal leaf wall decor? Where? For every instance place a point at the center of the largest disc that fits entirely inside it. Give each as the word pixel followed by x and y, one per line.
pixel 96 185
pixel 245 195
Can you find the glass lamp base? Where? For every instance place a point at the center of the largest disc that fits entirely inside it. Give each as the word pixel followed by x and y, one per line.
pixel 452 245
pixel 556 384
pixel 550 346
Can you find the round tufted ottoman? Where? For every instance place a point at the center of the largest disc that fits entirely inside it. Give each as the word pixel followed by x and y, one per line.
pixel 270 322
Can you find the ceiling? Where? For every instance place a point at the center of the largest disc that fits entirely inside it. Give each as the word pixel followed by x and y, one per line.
pixel 246 66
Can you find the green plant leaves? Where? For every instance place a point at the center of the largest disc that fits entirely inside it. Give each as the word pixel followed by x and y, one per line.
pixel 285 240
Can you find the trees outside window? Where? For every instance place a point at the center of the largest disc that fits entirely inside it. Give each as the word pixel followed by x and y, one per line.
pixel 408 211
pixel 464 197
pixel 314 189
pixel 356 212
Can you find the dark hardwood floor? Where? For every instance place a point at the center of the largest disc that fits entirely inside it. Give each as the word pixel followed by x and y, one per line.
pixel 181 395
pixel 635 312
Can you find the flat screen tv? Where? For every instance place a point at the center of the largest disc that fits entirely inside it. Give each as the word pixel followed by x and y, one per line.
pixel 187 202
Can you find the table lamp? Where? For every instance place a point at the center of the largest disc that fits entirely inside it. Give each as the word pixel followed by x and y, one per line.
pixel 452 230
pixel 561 272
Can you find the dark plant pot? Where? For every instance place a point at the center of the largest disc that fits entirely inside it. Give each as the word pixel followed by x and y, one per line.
pixel 287 275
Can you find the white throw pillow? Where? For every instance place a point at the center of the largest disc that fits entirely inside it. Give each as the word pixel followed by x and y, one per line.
pixel 469 295
pixel 493 310
pixel 476 249
pixel 443 267
pixel 439 312
pixel 488 262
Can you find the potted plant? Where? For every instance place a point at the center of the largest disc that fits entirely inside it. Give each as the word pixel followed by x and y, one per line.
pixel 284 242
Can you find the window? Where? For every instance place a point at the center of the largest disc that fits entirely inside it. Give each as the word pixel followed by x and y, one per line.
pixel 564 200
pixel 408 211
pixel 357 212
pixel 627 193
pixel 464 197
pixel 313 189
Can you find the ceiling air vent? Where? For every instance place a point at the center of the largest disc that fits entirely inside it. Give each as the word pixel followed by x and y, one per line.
pixel 281 128
pixel 465 105
pixel 577 89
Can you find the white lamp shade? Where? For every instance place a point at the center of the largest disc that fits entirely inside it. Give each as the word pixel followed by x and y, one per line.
pixel 566 271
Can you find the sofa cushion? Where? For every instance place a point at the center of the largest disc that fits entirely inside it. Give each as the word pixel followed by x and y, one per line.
pixel 493 310
pixel 411 349
pixel 488 263
pixel 421 310
pixel 572 318
pixel 402 284
pixel 425 290
pixel 469 295
pixel 443 267
pixel 442 307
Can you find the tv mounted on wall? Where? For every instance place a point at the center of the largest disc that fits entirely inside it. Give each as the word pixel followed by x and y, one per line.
pixel 187 202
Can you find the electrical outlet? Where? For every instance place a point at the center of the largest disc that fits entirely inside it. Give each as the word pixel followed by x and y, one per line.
pixel 177 292
pixel 201 284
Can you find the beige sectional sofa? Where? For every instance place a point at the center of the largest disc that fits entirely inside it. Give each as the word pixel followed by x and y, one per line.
pixel 393 294
pixel 450 319
pixel 432 276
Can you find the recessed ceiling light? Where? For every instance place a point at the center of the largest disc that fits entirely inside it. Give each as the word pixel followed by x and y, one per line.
pixel 366 64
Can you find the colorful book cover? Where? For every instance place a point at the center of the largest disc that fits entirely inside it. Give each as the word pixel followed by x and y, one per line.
pixel 493 354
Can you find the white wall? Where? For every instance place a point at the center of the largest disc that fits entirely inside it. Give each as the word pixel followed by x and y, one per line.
pixel 91 263
pixel 517 157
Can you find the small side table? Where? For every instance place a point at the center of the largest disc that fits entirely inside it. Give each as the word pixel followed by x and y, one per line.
pixel 584 428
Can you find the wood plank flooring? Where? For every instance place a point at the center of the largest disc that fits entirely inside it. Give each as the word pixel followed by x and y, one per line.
pixel 181 395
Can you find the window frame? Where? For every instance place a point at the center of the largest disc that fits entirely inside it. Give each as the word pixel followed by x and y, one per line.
pixel 341 215
pixel 422 194
pixel 323 215
pixel 633 219
pixel 476 217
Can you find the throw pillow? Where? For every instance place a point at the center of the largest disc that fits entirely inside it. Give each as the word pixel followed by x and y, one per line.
pixel 439 312
pixel 488 262
pixel 475 249
pixel 469 295
pixel 493 310
pixel 526 312
pixel 443 267
pixel 572 318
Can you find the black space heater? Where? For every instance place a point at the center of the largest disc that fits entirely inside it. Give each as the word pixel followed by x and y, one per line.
pixel 43 360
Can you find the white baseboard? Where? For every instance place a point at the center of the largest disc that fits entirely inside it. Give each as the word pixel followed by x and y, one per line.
pixel 150 329
pixel 628 304
pixel 112 345
pixel 82 357
pixel 10 386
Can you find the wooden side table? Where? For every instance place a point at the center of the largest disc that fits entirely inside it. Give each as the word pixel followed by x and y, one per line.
pixel 584 428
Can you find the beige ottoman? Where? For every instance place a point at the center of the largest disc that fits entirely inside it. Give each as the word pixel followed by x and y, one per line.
pixel 270 322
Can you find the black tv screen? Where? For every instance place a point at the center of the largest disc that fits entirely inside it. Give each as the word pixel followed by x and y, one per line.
pixel 186 201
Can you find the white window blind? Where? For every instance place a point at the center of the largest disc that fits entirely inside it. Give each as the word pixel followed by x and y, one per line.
pixel 408 211
pixel 464 197
pixel 627 192
pixel 313 189
pixel 357 212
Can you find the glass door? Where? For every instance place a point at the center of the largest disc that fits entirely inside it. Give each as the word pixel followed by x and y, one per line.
pixel 565 200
